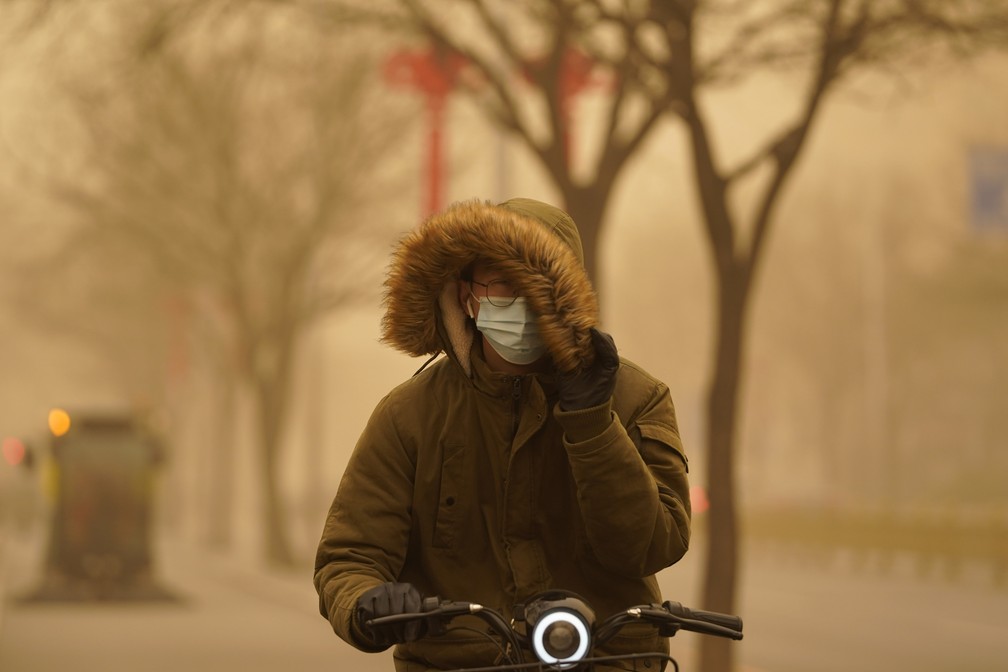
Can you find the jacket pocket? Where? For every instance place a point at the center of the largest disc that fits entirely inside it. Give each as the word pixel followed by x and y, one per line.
pixel 449 508
pixel 662 434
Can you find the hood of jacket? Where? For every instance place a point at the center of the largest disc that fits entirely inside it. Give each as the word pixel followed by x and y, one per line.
pixel 536 246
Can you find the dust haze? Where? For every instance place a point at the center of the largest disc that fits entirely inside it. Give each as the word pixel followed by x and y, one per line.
pixel 187 239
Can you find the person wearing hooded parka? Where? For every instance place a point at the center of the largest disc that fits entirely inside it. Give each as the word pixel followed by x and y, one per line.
pixel 530 457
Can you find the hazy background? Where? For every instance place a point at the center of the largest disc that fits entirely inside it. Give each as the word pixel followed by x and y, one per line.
pixel 874 385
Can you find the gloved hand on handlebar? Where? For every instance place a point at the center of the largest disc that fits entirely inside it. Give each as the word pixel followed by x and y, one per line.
pixel 388 599
pixel 595 384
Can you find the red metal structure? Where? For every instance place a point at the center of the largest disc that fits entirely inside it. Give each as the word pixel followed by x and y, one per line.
pixel 434 73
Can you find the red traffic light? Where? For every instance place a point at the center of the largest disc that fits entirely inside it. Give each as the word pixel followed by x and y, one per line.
pixel 13 450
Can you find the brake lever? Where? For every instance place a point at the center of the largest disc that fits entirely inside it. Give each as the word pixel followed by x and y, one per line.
pixel 669 624
pixel 432 609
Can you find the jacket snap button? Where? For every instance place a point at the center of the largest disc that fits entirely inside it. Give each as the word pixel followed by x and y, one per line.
pixel 450 501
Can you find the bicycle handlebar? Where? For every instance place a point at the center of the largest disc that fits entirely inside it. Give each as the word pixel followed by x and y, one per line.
pixel 564 610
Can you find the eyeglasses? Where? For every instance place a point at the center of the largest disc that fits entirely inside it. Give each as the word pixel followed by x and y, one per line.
pixel 499 293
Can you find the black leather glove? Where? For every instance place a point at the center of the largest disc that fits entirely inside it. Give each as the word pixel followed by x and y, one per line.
pixel 385 600
pixel 595 384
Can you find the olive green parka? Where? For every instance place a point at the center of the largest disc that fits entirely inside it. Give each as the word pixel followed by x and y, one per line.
pixel 472 484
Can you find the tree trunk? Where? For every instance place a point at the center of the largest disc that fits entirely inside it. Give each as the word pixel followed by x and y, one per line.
pixel 716 654
pixel 222 464
pixel 587 205
pixel 272 387
pixel 733 278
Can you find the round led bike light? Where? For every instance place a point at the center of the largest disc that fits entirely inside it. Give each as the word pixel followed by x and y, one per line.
pixel 561 638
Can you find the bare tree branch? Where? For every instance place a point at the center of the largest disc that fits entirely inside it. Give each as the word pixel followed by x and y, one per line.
pixel 229 149
pixel 503 106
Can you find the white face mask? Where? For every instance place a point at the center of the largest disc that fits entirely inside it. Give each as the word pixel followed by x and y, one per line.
pixel 512 331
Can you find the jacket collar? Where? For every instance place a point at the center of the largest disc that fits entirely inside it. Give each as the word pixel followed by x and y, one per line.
pixel 499 384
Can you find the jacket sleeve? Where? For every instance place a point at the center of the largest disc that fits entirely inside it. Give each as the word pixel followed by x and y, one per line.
pixel 632 482
pixel 366 533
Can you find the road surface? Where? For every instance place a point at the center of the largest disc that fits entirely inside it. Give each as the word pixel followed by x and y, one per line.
pixel 236 616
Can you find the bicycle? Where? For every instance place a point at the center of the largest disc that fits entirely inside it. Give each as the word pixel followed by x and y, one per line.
pixel 559 627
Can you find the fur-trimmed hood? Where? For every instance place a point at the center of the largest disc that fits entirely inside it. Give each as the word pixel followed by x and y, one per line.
pixel 536 246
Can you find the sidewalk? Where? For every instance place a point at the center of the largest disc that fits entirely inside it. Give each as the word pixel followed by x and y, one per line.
pixel 228 616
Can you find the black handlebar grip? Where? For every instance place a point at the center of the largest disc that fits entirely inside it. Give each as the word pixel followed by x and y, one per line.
pixel 724 620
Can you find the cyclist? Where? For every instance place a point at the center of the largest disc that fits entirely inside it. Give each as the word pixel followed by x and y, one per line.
pixel 530 457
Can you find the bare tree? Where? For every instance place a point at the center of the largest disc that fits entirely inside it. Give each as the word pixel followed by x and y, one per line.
pixel 524 66
pixel 235 156
pixel 827 42
pixel 661 58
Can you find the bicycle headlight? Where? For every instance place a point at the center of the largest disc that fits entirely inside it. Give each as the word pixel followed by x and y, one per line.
pixel 560 624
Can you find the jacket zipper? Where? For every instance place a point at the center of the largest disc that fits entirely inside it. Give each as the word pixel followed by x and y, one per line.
pixel 515 405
